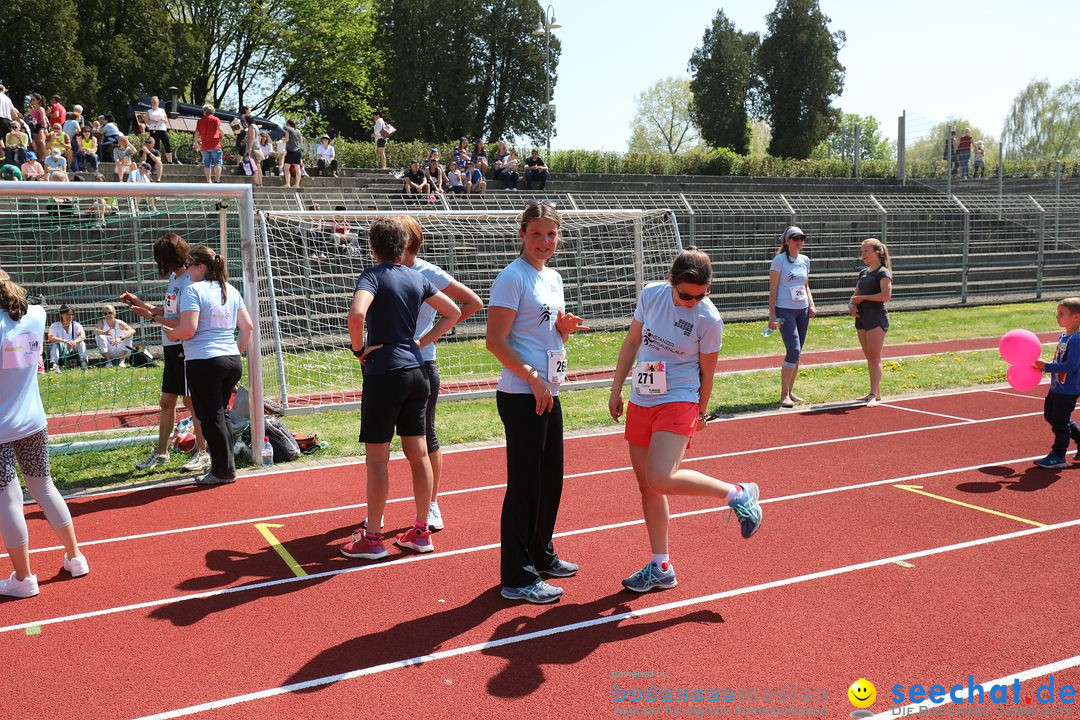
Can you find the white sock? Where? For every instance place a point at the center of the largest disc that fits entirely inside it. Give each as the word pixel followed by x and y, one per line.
pixel 732 493
pixel 661 560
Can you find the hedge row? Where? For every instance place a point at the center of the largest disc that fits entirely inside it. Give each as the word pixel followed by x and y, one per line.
pixel 354 154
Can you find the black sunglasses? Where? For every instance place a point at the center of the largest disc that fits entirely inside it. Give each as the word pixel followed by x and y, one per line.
pixel 687 297
pixel 535 203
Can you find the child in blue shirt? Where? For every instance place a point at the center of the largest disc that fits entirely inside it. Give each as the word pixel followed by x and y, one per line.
pixel 1064 383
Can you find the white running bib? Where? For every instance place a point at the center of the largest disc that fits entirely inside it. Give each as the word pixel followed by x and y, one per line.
pixel 650 378
pixel 556 366
pixel 798 294
pixel 171 304
pixel 221 319
pixel 21 351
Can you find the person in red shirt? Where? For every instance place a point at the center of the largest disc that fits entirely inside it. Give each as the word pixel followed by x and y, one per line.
pixel 57 113
pixel 208 134
pixel 963 153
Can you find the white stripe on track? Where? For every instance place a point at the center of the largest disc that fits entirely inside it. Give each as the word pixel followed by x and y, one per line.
pixel 607 619
pixel 478 548
pixel 570 476
pixel 986 684
pixel 926 412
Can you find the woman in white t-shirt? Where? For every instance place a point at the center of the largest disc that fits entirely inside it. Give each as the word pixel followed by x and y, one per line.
pixel 526 330
pixel 113 335
pixel 670 354
pixel 326 158
pixel 791 305
pixel 159 128
pixel 211 312
pixel 24 439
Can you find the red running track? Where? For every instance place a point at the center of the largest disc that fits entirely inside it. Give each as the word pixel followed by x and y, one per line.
pixel 148 417
pixel 745 615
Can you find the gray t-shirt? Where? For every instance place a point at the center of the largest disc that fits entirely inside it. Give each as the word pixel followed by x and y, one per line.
pixel 292 142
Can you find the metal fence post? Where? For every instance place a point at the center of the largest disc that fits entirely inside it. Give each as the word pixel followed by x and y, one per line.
pixel 1001 172
pixel 884 220
pixel 949 152
pixel 901 148
pixel 693 219
pixel 1057 209
pixel 275 321
pixel 791 210
pixel 251 298
pixel 964 266
pixel 639 256
pixel 1042 248
pixel 856 152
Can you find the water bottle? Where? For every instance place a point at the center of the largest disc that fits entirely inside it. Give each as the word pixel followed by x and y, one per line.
pixel 768 330
pixel 267 453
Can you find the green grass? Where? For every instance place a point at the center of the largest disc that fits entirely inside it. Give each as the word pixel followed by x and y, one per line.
pixel 477 420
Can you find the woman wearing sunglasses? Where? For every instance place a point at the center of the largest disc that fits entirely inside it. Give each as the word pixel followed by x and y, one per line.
pixel 527 329
pixel 211 312
pixel 670 354
pixel 791 305
pixel 112 337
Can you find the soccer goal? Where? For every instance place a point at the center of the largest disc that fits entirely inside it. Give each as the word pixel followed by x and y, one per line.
pixel 309 262
pixel 82 244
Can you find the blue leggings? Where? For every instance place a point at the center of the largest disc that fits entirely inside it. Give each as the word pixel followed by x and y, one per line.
pixel 796 322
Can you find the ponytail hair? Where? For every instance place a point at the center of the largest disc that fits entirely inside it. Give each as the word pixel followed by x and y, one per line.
pixel 882 252
pixel 12 297
pixel 691 266
pixel 215 267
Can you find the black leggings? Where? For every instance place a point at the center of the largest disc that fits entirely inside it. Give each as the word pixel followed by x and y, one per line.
pixel 161 141
pixel 534 480
pixel 1057 410
pixel 323 165
pixel 211 383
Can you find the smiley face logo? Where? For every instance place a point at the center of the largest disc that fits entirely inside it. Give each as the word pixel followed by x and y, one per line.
pixel 862 693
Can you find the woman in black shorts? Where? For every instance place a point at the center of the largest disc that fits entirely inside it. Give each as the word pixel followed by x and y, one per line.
pixel 872 291
pixel 382 324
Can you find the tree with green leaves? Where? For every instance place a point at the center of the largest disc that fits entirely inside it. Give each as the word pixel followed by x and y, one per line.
pixel 662 118
pixel 723 81
pixel 800 70
pixel 52 67
pixel 841 141
pixel 1044 122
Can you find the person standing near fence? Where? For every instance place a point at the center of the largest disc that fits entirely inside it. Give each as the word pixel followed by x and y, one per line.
pixel 527 330
pixel 211 312
pixel 872 290
pixel 791 305
pixel 24 439
pixel 378 136
pixel 382 328
pixel 170 255
pixel 671 347
pixel 470 303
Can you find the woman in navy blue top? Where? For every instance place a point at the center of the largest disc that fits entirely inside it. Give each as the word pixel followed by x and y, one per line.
pixel 382 325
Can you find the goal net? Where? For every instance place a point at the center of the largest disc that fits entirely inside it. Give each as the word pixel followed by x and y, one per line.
pixel 310 261
pixel 82 244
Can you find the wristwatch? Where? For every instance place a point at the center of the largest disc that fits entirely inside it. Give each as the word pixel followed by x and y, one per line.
pixel 358 353
pixel 701 416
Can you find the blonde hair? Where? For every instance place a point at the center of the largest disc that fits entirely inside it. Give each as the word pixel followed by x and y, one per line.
pixel 12 296
pixel 108 309
pixel 882 252
pixel 416 233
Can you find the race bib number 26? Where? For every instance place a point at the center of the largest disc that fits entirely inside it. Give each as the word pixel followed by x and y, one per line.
pixel 556 366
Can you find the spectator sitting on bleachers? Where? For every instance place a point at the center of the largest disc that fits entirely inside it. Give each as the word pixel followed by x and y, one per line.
pixel 435 174
pixel 103 205
pixel 110 137
pixel 113 335
pixel 122 156
pixel 454 181
pixel 461 153
pixel 474 179
pixel 86 146
pixel 150 155
pixel 31 169
pixel 479 157
pixel 326 157
pixel 56 162
pixel 506 165
pixel 141 173
pixel 57 140
pixel 10 173
pixel 433 154
pixel 536 171
pixel 73 124
pixel 343 236
pixel 66 338
pixel 268 152
pixel 16 143
pixel 415 182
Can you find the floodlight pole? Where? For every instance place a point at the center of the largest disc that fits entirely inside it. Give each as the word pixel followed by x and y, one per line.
pixel 547 24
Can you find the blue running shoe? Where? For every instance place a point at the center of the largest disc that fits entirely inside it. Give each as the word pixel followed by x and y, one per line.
pixel 746 508
pixel 650 577
pixel 539 593
pixel 1051 461
pixel 561 569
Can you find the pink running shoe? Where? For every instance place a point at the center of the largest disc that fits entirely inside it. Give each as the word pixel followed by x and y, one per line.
pixel 364 547
pixel 415 540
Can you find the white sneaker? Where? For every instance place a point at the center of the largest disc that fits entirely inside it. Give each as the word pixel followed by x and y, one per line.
pixel 434 517
pixel 154 460
pixel 199 461
pixel 27 587
pixel 77 566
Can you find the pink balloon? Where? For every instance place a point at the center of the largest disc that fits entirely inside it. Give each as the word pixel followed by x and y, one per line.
pixel 1023 377
pixel 1020 347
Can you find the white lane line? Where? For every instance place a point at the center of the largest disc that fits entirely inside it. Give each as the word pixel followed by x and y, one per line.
pixel 926 412
pixel 479 548
pixel 571 476
pixel 1019 395
pixel 1022 676
pixel 605 620
pixel 498 445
